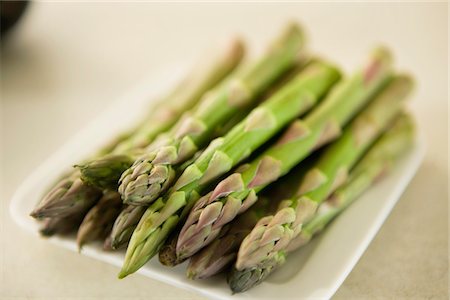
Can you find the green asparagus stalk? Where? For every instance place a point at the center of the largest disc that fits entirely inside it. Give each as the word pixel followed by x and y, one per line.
pixel 59 198
pixel 221 253
pixel 105 171
pixel 70 196
pixel 65 225
pixel 154 172
pixel 107 244
pixel 237 192
pixel 167 255
pixel 378 161
pixel 124 225
pixel 98 221
pixel 375 163
pixel 262 123
pixel 301 63
pixel 265 246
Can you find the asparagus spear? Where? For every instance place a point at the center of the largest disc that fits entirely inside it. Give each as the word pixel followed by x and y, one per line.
pixel 62 226
pixel 167 255
pixel 154 172
pixel 98 221
pixel 237 192
pixel 223 250
pixel 375 163
pixel 124 225
pixel 70 196
pixel 224 153
pixel 105 171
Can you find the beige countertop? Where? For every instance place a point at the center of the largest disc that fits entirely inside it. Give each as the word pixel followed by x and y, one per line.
pixel 67 61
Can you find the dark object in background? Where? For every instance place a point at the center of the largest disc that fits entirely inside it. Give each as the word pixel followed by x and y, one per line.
pixel 10 13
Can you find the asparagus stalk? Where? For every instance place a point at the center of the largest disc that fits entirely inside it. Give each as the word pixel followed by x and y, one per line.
pixel 167 255
pixel 124 225
pixel 221 253
pixel 62 226
pixel 265 246
pixel 154 172
pixel 70 196
pixel 375 163
pixel 105 171
pixel 224 153
pixel 237 192
pixel 98 221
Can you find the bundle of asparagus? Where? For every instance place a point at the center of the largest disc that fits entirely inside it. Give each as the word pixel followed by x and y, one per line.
pixel 186 182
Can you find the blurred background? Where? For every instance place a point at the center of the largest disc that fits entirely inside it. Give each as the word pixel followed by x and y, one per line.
pixel 63 63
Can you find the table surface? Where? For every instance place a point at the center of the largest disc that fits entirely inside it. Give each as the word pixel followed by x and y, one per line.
pixel 66 61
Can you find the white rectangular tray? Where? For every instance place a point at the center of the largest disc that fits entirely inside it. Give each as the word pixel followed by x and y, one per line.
pixel 316 271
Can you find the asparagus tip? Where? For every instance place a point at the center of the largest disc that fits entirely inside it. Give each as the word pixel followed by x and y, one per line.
pixel 191 274
pixel 46 232
pixel 122 274
pixel 80 244
pixel 107 245
pixel 35 214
